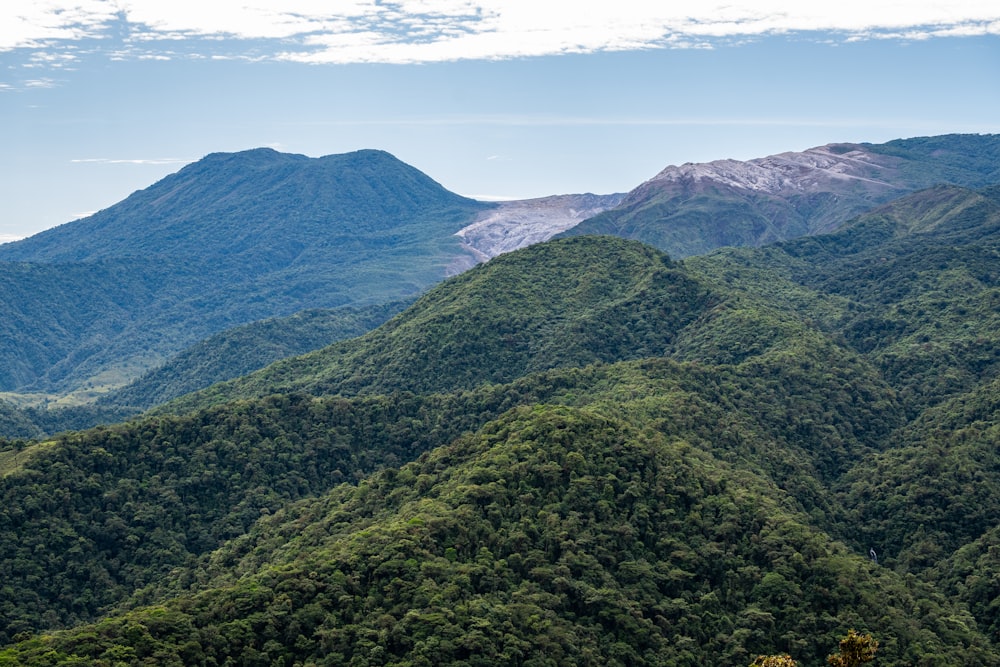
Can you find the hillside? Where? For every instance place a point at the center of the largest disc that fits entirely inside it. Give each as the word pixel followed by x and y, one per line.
pixel 136 501
pixel 240 237
pixel 913 286
pixel 552 530
pixel 658 462
pixel 694 208
pixel 243 349
pixel 584 446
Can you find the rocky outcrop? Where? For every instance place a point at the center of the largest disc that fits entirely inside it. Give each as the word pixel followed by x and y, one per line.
pixel 517 224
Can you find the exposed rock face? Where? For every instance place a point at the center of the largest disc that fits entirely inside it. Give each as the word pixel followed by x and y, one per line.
pixel 517 224
pixel 815 170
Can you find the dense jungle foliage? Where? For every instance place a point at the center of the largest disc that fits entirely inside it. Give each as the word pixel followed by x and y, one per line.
pixel 579 453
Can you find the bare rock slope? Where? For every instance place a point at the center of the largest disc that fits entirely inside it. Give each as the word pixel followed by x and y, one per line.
pixel 516 224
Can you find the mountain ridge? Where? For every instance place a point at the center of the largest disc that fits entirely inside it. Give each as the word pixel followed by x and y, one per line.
pixel 240 237
pixel 583 451
pixel 224 241
pixel 694 208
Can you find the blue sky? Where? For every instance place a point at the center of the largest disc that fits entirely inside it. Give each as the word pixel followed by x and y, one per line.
pixel 99 98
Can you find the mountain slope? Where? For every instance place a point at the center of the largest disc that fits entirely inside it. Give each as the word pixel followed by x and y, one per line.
pixel 694 208
pixel 913 286
pixel 236 238
pixel 517 224
pixel 254 211
pixel 140 499
pixel 712 497
pixel 596 299
pixel 241 350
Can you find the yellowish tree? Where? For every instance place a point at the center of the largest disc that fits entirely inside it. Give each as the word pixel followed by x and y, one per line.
pixel 773 661
pixel 855 650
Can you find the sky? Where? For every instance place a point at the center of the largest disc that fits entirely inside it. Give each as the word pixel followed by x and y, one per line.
pixel 491 98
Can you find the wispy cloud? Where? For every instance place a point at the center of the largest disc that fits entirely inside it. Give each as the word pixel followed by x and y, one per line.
pixel 152 161
pixel 411 31
pixel 39 83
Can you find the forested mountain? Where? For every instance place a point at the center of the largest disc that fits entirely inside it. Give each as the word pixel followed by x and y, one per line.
pixel 603 300
pixel 225 355
pixel 695 208
pixel 583 452
pixel 239 237
pixel 230 239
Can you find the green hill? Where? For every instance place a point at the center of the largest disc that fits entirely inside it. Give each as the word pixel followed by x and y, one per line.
pixel 138 500
pixel 551 536
pixel 581 452
pixel 565 303
pixel 913 286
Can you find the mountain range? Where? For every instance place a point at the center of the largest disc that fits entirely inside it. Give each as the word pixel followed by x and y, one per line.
pixel 237 238
pixel 585 451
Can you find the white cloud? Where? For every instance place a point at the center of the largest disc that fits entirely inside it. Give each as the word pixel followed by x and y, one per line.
pixel 30 23
pixel 404 31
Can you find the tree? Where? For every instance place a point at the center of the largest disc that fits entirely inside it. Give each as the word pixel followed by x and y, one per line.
pixel 773 661
pixel 855 649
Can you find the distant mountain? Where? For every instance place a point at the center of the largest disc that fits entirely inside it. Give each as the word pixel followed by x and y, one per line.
pixel 258 211
pixel 239 237
pixel 230 239
pixel 695 208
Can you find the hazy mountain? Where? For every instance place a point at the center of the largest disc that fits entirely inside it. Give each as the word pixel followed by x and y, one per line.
pixel 694 208
pixel 230 239
pixel 259 210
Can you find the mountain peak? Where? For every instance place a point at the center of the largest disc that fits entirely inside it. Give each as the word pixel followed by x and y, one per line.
pixel 232 238
pixel 261 157
pixel 784 173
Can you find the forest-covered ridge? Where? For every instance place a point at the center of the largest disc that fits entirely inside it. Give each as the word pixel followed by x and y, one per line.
pixel 681 462
pixel 96 303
